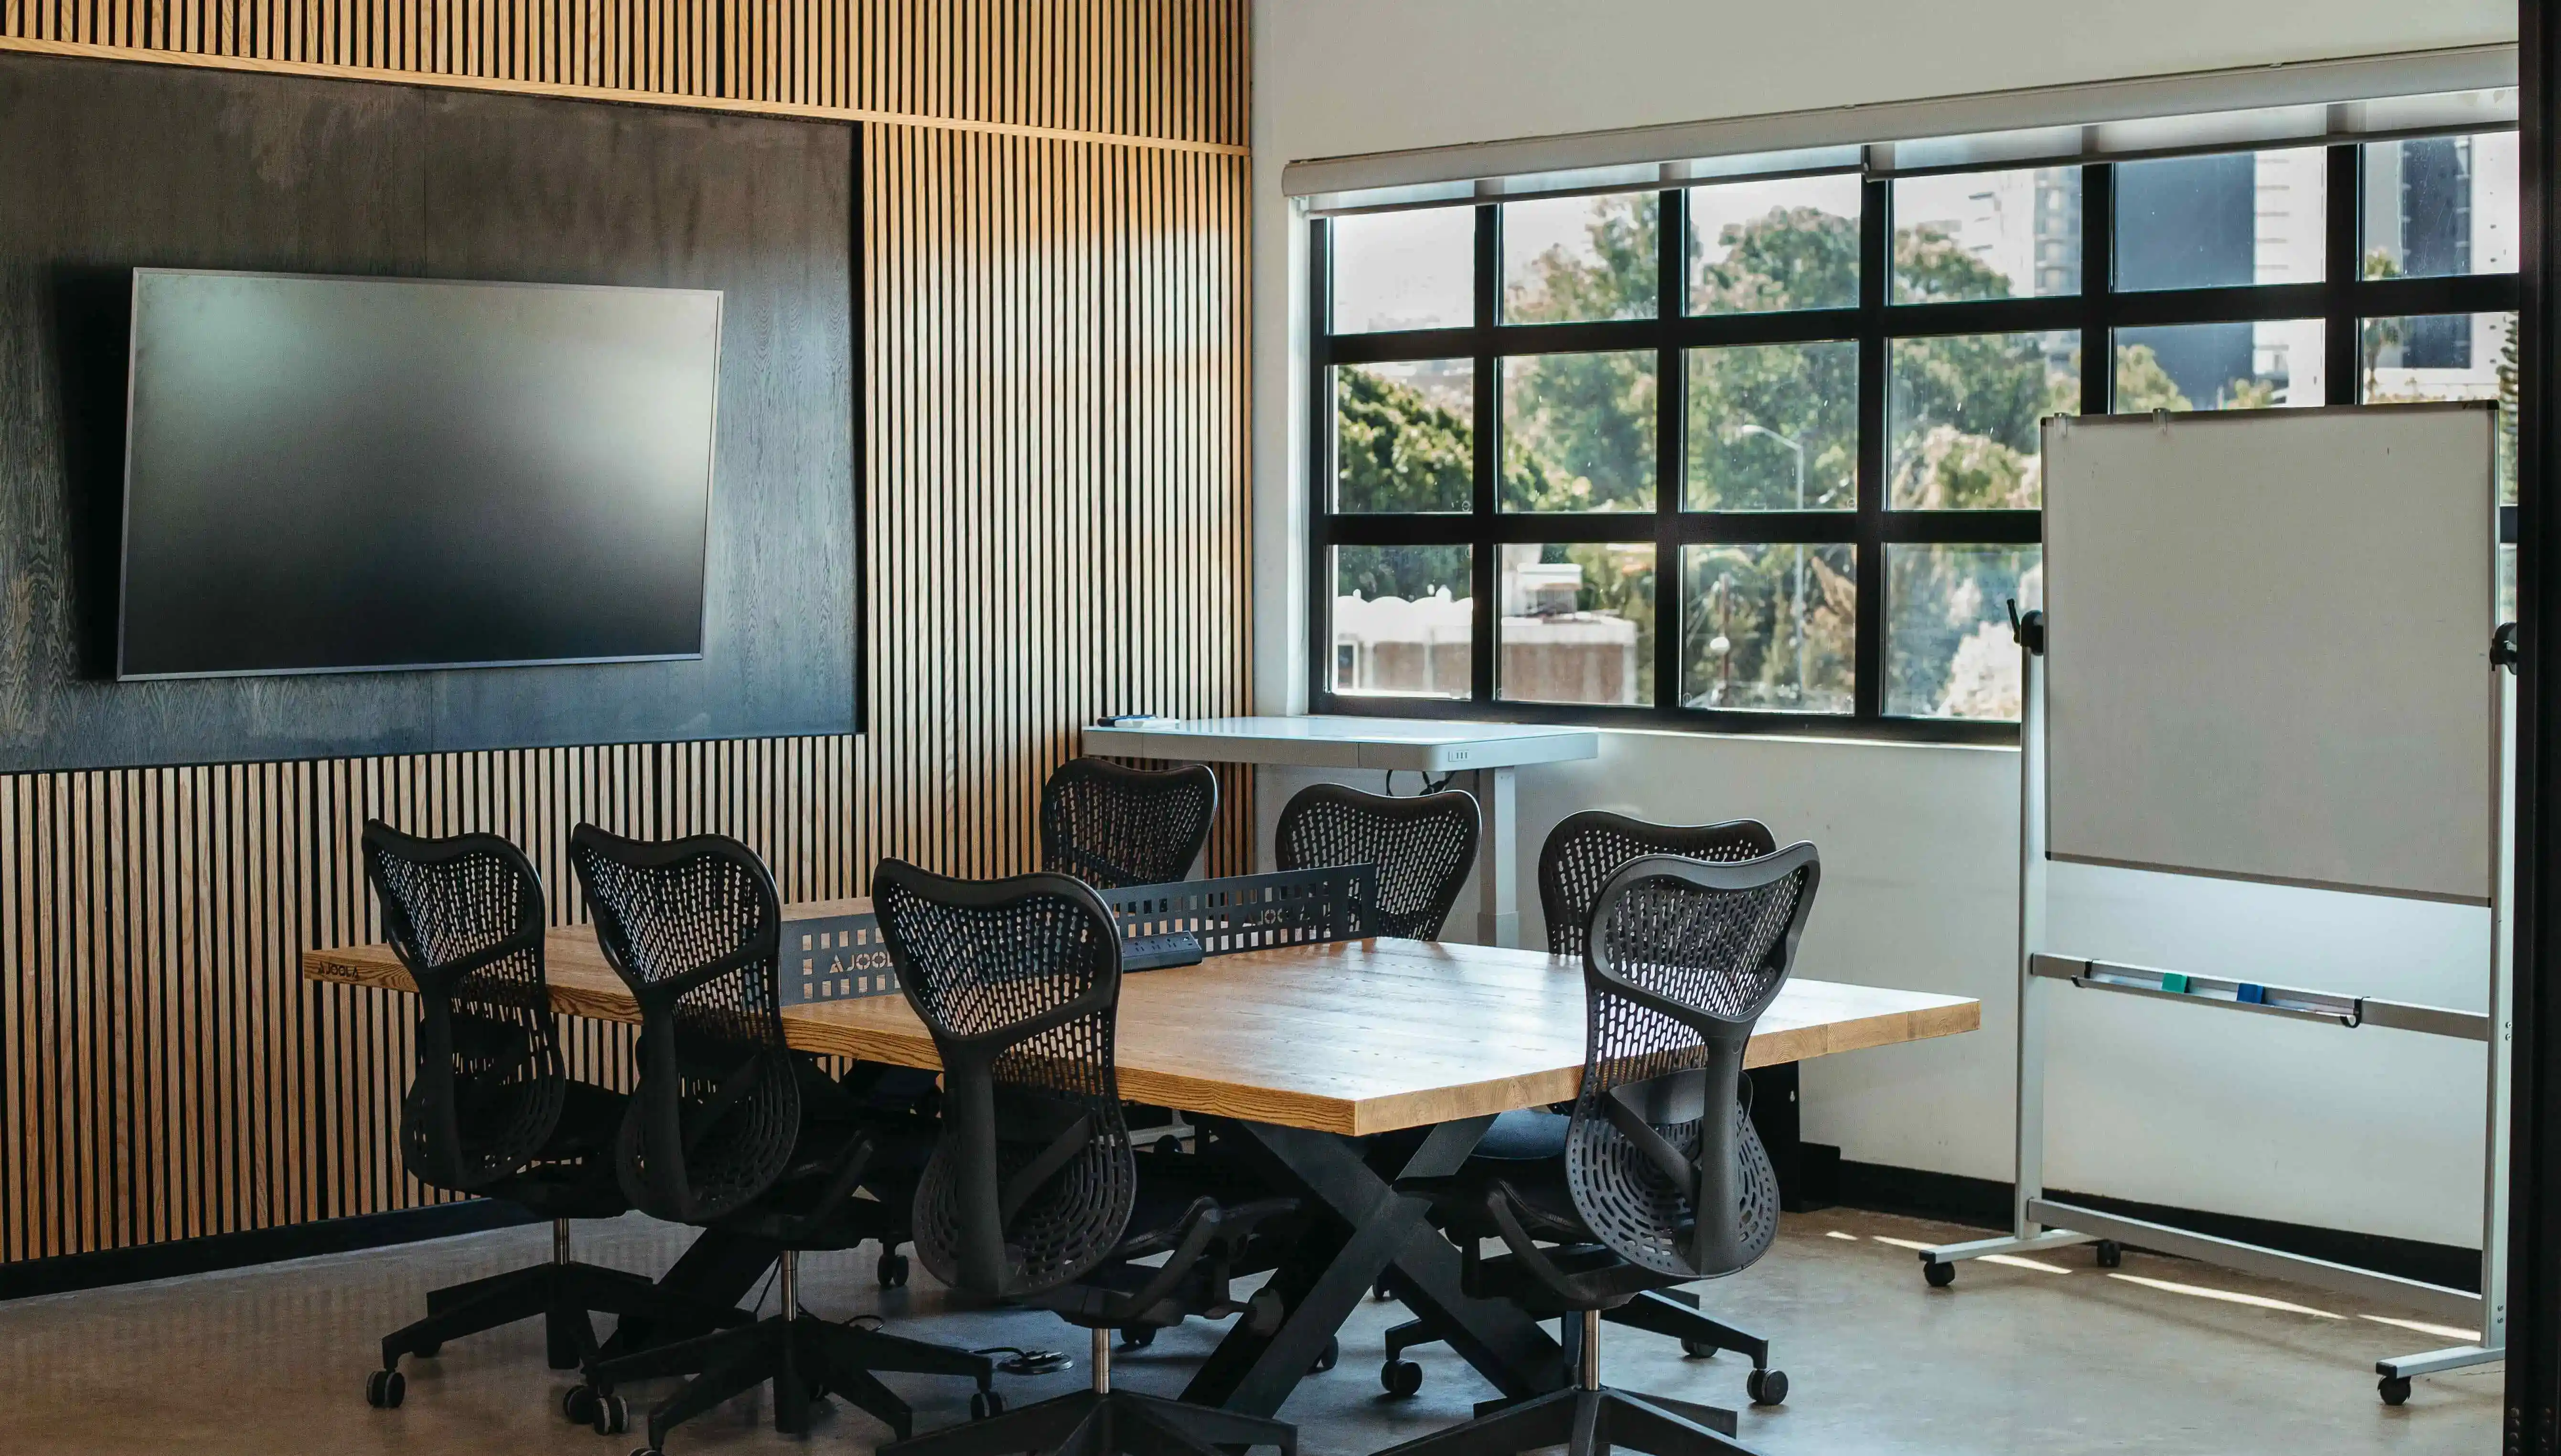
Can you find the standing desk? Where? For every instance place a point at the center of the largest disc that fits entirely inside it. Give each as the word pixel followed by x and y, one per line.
pixel 1487 752
pixel 1300 1049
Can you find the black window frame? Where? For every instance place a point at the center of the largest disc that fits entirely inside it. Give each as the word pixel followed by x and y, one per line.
pixel 2341 300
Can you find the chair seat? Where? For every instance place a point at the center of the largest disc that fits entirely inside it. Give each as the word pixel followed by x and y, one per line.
pixel 573 1176
pixel 1526 1135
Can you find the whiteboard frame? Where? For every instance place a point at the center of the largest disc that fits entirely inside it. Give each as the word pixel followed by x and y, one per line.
pixel 2489 686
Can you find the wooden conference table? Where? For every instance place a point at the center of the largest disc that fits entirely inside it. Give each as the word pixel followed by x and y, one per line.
pixel 1302 1050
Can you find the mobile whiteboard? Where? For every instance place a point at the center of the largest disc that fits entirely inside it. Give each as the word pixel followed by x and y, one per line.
pixel 2267 646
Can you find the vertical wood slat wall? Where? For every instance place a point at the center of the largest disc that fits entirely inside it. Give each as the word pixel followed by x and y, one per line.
pixel 1054 360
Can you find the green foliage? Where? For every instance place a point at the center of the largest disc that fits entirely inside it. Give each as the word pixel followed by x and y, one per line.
pixel 2143 385
pixel 1790 258
pixel 1396 450
pixel 1626 235
pixel 1740 642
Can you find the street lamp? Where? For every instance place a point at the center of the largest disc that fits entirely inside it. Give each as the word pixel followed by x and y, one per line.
pixel 1742 432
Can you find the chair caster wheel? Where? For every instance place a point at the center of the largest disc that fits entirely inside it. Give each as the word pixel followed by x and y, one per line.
pixel 985 1405
pixel 1137 1337
pixel 1327 1357
pixel 1767 1388
pixel 892 1270
pixel 1400 1377
pixel 2393 1389
pixel 647 1451
pixel 385 1389
pixel 610 1417
pixel 1938 1275
pixel 1697 1349
pixel 2110 1253
pixel 577 1405
pixel 1380 1292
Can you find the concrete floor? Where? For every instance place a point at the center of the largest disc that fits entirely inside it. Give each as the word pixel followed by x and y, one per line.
pixel 2055 1359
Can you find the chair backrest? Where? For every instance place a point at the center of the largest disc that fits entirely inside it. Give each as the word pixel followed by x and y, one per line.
pixel 1033 1180
pixel 1585 849
pixel 1111 826
pixel 465 917
pixel 1683 957
pixel 695 928
pixel 1423 847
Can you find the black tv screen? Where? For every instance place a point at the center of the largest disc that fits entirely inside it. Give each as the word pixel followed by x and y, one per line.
pixel 348 474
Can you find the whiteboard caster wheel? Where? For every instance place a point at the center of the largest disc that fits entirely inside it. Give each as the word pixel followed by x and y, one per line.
pixel 2393 1389
pixel 2110 1253
pixel 1938 1275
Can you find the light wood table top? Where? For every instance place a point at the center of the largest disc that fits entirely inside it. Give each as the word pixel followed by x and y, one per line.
pixel 1357 1037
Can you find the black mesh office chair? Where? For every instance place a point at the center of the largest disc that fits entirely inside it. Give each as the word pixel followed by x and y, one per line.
pixel 1033 1195
pixel 1663 1180
pixel 1576 864
pixel 490 1110
pixel 1111 826
pixel 731 1129
pixel 1423 847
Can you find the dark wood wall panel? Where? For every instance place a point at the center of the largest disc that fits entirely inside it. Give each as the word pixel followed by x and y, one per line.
pixel 1054 374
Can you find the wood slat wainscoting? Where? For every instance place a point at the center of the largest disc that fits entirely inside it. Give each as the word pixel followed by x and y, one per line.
pixel 1054 346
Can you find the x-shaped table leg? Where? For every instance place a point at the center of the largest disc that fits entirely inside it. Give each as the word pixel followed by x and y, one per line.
pixel 1363 1229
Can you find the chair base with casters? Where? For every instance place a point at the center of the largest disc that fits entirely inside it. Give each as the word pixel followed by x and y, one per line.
pixel 805 1356
pixel 1102 1421
pixel 1671 1312
pixel 1539 1135
pixel 1588 1418
pixel 563 1292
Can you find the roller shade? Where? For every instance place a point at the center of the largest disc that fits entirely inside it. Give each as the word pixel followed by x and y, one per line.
pixel 2365 98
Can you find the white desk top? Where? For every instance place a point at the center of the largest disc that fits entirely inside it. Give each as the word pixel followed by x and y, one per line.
pixel 1432 746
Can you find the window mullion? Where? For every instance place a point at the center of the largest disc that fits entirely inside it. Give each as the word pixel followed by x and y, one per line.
pixel 2343 258
pixel 1672 449
pixel 1485 559
pixel 1875 276
pixel 2098 280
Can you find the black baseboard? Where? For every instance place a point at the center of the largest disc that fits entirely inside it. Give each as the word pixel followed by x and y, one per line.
pixel 1985 1203
pixel 260 1247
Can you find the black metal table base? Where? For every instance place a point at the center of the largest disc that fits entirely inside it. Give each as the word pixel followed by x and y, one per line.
pixel 1365 1229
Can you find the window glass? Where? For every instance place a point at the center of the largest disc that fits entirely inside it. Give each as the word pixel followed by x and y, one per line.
pixel 2275 363
pixel 1404 271
pixel 2439 206
pixel 1404 437
pixel 1402 621
pixel 1756 246
pixel 2427 357
pixel 1962 416
pixel 1773 428
pixel 2221 222
pixel 1769 627
pixel 1578 623
pixel 1947 651
pixel 1569 259
pixel 1578 431
pixel 1987 234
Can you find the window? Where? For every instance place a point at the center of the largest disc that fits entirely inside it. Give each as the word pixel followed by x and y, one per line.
pixel 1764 454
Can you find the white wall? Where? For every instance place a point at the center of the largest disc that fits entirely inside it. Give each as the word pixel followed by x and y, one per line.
pixel 2367 1130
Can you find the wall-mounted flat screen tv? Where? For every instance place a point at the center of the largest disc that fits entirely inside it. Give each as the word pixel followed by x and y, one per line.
pixel 329 474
